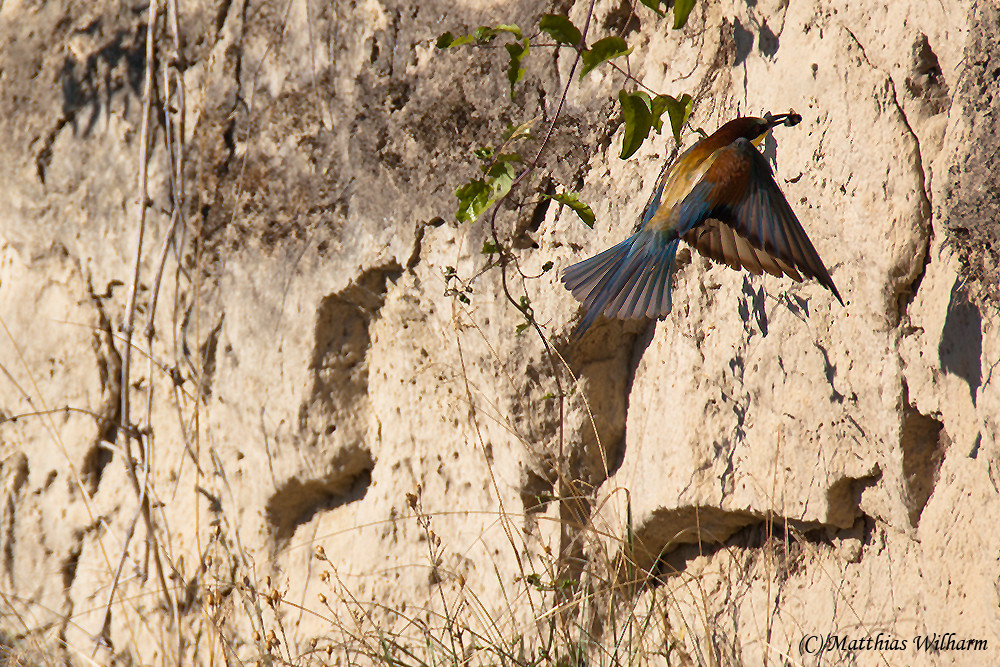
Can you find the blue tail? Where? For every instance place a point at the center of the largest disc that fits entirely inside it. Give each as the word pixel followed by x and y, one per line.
pixel 630 280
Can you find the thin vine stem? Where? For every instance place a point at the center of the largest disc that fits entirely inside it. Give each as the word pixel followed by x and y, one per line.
pixel 566 491
pixel 128 327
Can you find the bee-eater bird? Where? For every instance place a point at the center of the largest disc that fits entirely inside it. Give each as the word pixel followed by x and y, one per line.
pixel 721 197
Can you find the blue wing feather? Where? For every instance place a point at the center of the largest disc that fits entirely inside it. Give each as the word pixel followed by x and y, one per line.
pixel 629 280
pixel 654 205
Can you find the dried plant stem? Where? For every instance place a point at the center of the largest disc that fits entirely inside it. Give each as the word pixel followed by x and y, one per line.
pixel 173 114
pixel 125 432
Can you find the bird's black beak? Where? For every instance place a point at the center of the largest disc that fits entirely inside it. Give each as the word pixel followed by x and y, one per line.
pixel 787 119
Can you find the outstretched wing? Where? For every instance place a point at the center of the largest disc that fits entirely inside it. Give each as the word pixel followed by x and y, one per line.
pixel 736 214
pixel 720 242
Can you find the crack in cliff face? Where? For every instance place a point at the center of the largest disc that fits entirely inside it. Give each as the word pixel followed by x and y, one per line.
pixel 68 570
pixel 207 353
pixel 906 276
pixel 108 413
pixel 420 228
pixel 15 473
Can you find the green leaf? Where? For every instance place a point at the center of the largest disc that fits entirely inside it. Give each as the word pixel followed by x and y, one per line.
pixel 449 41
pixel 522 131
pixel 484 153
pixel 678 110
pixel 521 327
pixel 602 51
pixel 636 109
pixel 654 5
pixel 508 157
pixel 478 195
pixel 679 113
pixel 484 33
pixel 473 199
pixel 511 28
pixel 561 29
pixel 487 34
pixel 500 177
pixel 644 96
pixel 490 248
pixel 517 51
pixel 583 210
pixel 547 266
pixel 682 9
pixel 657 106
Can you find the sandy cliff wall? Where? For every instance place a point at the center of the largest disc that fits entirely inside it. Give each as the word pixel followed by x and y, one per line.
pixel 341 454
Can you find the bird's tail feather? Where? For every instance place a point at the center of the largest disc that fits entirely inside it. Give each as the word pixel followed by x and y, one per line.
pixel 629 280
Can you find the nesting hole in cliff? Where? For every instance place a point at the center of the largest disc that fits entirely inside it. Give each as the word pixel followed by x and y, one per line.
pixel 843 499
pixel 777 540
pixel 923 441
pixel 334 417
pixel 670 537
pixel 298 500
pixel 337 403
pixel 94 462
pixel 926 80
pixel 536 491
pixel 342 341
pixel 341 336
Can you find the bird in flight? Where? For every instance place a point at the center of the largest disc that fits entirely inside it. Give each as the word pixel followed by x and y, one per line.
pixel 720 196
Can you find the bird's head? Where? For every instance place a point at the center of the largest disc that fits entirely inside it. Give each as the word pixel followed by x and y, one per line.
pixel 764 125
pixel 753 128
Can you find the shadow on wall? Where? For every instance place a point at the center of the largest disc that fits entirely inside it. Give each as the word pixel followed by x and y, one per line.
pixel 743 39
pixel 751 304
pixel 89 84
pixel 961 346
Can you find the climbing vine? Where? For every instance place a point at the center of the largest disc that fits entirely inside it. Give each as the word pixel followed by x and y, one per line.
pixel 503 167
